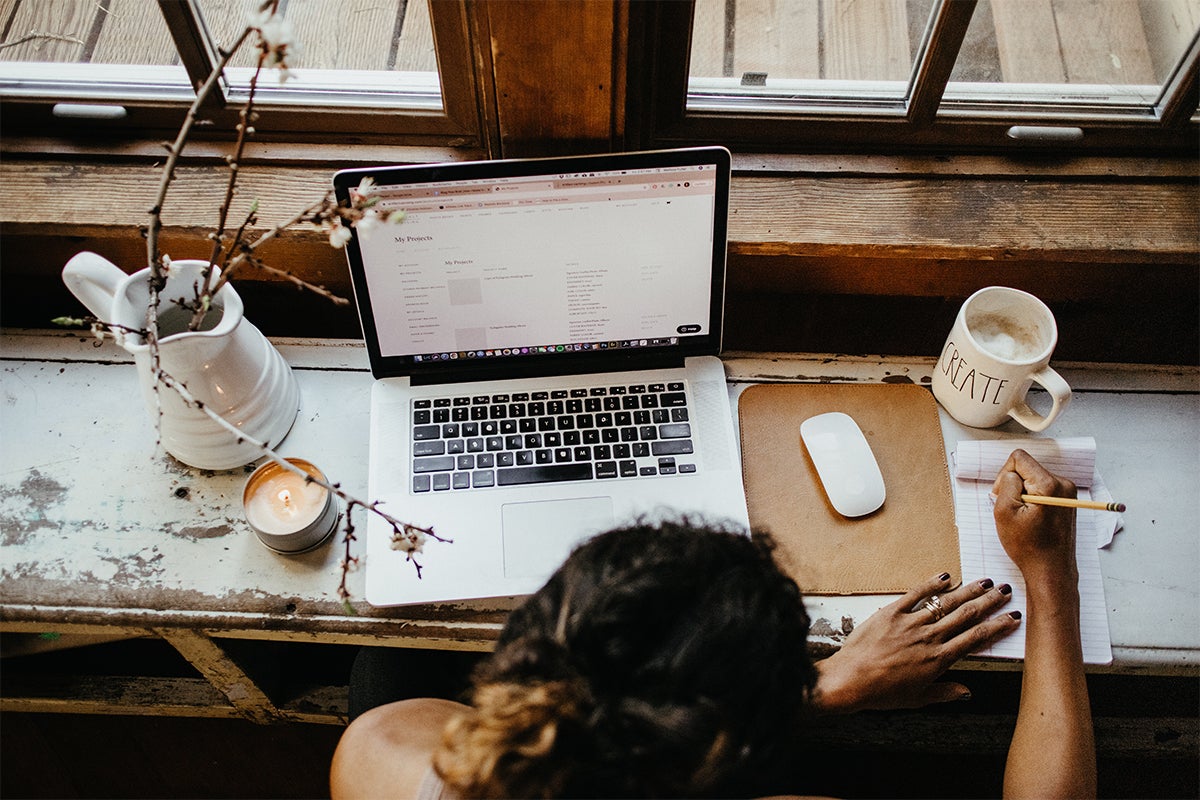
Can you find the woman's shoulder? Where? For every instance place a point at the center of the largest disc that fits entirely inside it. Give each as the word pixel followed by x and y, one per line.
pixel 389 749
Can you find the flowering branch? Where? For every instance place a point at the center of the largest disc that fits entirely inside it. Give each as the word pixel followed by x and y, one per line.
pixel 315 213
pixel 406 537
pixel 274 41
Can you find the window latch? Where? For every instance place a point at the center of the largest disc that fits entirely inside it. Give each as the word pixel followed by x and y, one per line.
pixel 86 111
pixel 1049 134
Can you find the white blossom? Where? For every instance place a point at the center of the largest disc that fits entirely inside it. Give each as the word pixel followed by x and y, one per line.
pixel 339 235
pixel 368 222
pixel 412 541
pixel 276 38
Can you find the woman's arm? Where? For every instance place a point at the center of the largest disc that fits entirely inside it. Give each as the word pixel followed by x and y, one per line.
pixel 1053 751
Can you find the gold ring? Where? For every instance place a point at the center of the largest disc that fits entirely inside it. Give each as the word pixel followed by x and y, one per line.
pixel 934 606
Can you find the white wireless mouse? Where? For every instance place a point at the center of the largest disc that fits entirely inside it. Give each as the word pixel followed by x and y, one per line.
pixel 844 462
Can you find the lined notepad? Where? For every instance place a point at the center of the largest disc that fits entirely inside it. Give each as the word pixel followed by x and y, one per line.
pixel 976 466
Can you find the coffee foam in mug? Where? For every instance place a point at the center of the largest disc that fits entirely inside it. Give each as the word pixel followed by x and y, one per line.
pixel 1004 338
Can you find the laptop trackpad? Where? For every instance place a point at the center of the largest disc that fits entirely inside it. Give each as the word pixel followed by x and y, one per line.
pixel 539 536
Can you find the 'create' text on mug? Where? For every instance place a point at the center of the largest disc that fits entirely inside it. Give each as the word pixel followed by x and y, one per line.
pixel 954 369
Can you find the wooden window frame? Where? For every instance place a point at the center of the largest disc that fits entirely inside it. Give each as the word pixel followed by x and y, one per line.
pixel 867 232
pixel 660 118
pixel 462 122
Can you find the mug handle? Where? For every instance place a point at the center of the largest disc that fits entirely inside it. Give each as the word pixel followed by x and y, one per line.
pixel 1059 392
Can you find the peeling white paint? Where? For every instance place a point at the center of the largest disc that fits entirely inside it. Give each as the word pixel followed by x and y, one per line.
pixel 91 510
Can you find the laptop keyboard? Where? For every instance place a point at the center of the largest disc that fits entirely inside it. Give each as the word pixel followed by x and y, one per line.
pixel 594 433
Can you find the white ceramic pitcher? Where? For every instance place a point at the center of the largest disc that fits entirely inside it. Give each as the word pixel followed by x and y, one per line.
pixel 228 365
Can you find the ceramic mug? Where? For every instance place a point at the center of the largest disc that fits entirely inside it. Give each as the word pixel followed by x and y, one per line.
pixel 999 347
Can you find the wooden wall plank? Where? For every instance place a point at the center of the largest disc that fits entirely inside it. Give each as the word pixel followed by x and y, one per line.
pixel 226 19
pixel 865 40
pixel 778 37
pixel 134 33
pixel 708 39
pixel 944 217
pixel 414 51
pixel 58 29
pixel 954 218
pixel 1072 42
pixel 979 60
pixel 1103 42
pixel 1110 248
pixel 1169 26
pixel 347 34
pixel 1026 42
pixel 552 61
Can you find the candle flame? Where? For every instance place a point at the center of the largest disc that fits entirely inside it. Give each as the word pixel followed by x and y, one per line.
pixel 286 497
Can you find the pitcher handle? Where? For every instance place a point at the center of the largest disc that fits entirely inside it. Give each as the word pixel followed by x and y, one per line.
pixel 94 280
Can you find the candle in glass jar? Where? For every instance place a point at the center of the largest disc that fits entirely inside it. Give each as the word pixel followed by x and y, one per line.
pixel 288 513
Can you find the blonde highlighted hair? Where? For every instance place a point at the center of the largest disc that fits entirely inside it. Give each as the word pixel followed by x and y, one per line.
pixel 660 660
pixel 503 746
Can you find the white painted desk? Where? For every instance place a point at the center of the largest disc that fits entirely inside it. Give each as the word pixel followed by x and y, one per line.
pixel 103 535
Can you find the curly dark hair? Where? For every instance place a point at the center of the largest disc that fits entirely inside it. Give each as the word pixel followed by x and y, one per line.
pixel 660 660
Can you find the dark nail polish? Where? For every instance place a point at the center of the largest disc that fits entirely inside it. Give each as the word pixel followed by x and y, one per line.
pixel 945 576
pixel 1005 589
pixel 986 584
pixel 1015 614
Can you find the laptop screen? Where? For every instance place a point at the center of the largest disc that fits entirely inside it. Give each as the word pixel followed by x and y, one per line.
pixel 542 265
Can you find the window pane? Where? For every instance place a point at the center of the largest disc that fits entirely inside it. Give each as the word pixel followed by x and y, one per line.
pixel 80 45
pixel 816 53
pixel 349 52
pixel 1108 52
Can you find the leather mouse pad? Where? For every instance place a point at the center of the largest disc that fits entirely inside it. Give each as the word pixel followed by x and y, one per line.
pixel 911 538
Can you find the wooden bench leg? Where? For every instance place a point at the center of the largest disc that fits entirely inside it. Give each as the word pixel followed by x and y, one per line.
pixel 220 670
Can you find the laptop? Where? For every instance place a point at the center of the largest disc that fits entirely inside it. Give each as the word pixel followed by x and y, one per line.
pixel 544 336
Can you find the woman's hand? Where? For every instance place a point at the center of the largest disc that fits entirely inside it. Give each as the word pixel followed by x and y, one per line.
pixel 1039 539
pixel 894 658
pixel 1053 751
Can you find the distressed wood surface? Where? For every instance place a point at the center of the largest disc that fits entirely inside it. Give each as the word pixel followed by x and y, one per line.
pixel 226 676
pixel 1169 27
pixel 552 35
pixel 68 23
pixel 133 21
pixel 100 529
pixel 955 216
pixel 708 41
pixel 122 540
pixel 353 34
pixel 157 696
pixel 779 38
pixel 866 40
pixel 1103 41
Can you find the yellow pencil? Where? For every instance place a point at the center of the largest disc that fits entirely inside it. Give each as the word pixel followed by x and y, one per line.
pixel 1071 502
